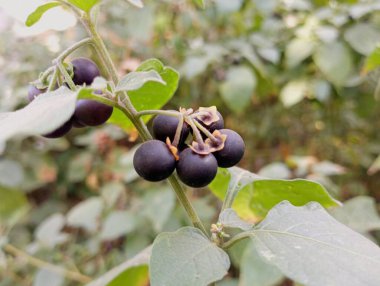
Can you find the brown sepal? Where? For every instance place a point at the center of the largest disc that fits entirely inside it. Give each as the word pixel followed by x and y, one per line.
pixel 208 115
pixel 173 149
pixel 219 143
pixel 199 149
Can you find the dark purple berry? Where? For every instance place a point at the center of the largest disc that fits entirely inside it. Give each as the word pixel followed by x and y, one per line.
pixel 60 131
pixel 33 92
pixel 165 126
pixel 91 113
pixel 196 170
pixel 233 150
pixel 215 125
pixel 153 161
pixel 85 71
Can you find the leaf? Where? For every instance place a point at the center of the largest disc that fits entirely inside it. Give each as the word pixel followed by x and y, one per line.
pixel 238 88
pixel 186 257
pixel 335 62
pixel 298 50
pixel 134 276
pixel 255 196
pixel 140 259
pixel 43 115
pixel 45 277
pixel 117 223
pixel 200 3
pixel 373 61
pixel 136 80
pixel 275 170
pixel 294 92
pixel 229 218
pixel 13 205
pixel 48 232
pixel 137 3
pixel 255 271
pixel 11 173
pixel 153 95
pixel 312 248
pixel 363 38
pixel 84 5
pixel 86 214
pixel 359 213
pixel 34 17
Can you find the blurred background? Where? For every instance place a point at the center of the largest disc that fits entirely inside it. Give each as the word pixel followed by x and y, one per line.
pixel 296 78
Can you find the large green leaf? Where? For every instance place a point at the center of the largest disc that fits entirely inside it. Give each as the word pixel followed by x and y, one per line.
pixel 13 205
pixel 255 196
pixel 187 258
pixel 152 95
pixel 44 114
pixel 311 247
pixel 34 17
pixel 84 5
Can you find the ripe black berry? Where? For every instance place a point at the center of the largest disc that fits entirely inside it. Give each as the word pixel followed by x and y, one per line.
pixel 196 170
pixel 165 126
pixel 85 71
pixel 153 161
pixel 233 149
pixel 33 92
pixel 91 113
pixel 60 131
pixel 215 125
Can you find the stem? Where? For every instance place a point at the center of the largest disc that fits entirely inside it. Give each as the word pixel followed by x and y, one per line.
pixel 53 79
pixel 158 112
pixel 196 132
pixel 126 106
pixel 66 75
pixel 72 49
pixel 205 131
pixel 237 238
pixel 46 73
pixel 178 131
pixel 75 276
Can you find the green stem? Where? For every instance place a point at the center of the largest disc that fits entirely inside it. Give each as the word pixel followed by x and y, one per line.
pixel 73 48
pixel 205 131
pixel 66 75
pixel 53 79
pixel 196 132
pixel 239 237
pixel 158 112
pixel 46 73
pixel 178 131
pixel 126 106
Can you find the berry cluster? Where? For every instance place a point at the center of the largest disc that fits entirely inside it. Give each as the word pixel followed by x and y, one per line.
pixel 197 163
pixel 87 112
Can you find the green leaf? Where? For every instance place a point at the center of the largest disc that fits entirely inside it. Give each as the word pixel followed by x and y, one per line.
pixel 13 206
pixel 294 91
pixel 200 3
pixel 373 60
pixel 312 248
pixel 255 271
pixel 86 214
pixel 84 5
pixel 137 3
pixel 255 196
pixel 44 114
pixel 335 62
pixel 298 50
pixel 11 173
pixel 118 275
pixel 363 38
pixel 134 276
pixel 229 218
pixel 34 17
pixel 152 95
pixel 238 88
pixel 46 277
pixel 136 80
pixel 49 231
pixel 117 223
pixel 186 257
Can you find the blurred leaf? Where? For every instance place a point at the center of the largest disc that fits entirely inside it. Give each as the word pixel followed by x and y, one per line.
pixel 229 218
pixel 111 193
pixel 13 206
pixel 238 88
pixel 117 223
pixel 135 80
pixel 45 277
pixel 43 115
pixel 257 272
pixel 84 5
pixel 298 50
pixel 134 276
pixel 194 66
pixel 227 6
pixel 373 60
pixel 86 214
pixel 255 196
pixel 186 257
pixel 140 259
pixel 293 92
pixel 276 170
pixel 11 173
pixel 228 282
pixel 312 248
pixel 152 95
pixel 48 233
pixel 359 213
pixel 363 38
pixel 137 3
pixel 335 61
pixel 158 205
pixel 79 167
pixel 328 168
pixel 34 17
pixel 200 3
